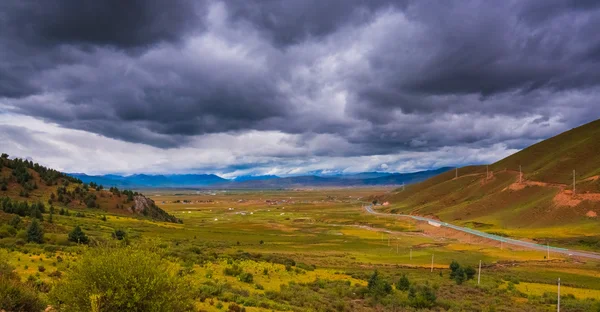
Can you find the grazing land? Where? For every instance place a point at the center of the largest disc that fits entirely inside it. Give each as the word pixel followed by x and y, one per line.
pixel 303 250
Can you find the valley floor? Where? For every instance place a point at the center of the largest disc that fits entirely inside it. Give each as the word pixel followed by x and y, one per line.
pixel 317 250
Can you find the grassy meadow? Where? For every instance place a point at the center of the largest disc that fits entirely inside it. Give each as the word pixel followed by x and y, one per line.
pixel 307 250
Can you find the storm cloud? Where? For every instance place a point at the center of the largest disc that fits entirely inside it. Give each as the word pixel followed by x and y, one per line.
pixel 285 87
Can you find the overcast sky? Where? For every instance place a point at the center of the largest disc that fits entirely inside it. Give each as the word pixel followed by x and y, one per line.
pixel 289 87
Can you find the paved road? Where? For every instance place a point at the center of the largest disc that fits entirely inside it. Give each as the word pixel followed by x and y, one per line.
pixel 506 240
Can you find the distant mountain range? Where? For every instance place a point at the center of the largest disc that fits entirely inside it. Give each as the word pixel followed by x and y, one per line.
pixel 258 182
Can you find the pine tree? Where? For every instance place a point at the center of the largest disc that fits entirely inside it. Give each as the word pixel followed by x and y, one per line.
pixel 403 284
pixel 78 236
pixel 35 233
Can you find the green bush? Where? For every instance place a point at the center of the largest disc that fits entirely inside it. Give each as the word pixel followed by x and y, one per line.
pixel 403 284
pixel 246 277
pixel 77 236
pixel 377 286
pixel 122 279
pixel 460 274
pixel 14 295
pixel 7 231
pixel 470 272
pixel 234 270
pixel 421 297
pixel 119 234
pixel 15 222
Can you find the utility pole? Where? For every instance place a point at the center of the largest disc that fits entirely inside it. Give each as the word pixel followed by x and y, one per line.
pixel 573 182
pixel 479 275
pixel 431 262
pixel 520 175
pixel 558 303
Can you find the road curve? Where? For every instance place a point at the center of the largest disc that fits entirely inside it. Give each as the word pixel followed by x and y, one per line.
pixel 506 240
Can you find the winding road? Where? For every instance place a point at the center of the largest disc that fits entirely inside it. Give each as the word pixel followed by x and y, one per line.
pixel 506 240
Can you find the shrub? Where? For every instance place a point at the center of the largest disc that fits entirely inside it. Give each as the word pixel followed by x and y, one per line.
pixel 7 231
pixel 77 236
pixel 16 296
pixel 41 268
pixel 35 233
pixel 235 308
pixel 421 297
pixel 470 272
pixel 119 234
pixel 403 284
pixel 234 270
pixel 15 222
pixel 460 274
pixel 111 274
pixel 306 267
pixel 56 274
pixel 246 277
pixel 377 286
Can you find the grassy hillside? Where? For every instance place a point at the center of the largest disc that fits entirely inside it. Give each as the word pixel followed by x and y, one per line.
pixel 539 207
pixel 22 181
pixel 553 160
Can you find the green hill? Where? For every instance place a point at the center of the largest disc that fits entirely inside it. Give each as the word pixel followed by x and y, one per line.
pixel 26 187
pixel 541 206
pixel 553 160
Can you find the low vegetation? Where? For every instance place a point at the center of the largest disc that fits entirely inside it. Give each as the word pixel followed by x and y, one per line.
pixel 305 250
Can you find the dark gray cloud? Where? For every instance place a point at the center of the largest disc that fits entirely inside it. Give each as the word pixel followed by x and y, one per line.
pixel 339 78
pixel 291 22
pixel 125 24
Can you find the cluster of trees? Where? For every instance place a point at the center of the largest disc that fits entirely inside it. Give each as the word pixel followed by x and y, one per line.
pixel 20 170
pixel 461 273
pixel 22 208
pixel 419 296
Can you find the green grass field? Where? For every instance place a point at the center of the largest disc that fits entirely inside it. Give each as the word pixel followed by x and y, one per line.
pixel 327 236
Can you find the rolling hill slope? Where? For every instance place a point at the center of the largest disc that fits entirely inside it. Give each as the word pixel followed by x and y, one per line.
pixel 26 186
pixel 542 202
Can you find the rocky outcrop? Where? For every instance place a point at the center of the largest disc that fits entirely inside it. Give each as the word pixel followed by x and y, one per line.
pixel 146 207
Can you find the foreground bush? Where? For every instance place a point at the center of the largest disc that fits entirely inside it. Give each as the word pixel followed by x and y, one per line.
pixel 14 295
pixel 122 279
